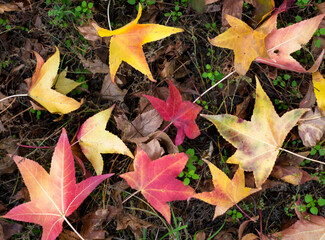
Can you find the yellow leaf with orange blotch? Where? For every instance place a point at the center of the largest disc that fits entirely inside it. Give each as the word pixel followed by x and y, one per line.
pixel 126 43
pixel 319 89
pixel 247 43
pixel 257 141
pixel 226 192
pixel 40 86
pixel 94 140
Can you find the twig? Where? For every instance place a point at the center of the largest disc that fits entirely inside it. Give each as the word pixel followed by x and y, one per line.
pixel 12 96
pixel 108 19
pixel 214 86
pixel 130 196
pixel 253 220
pixel 67 221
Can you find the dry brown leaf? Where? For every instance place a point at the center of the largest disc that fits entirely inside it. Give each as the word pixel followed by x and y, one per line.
pixel 8 7
pixel 287 168
pixel 243 226
pixel 311 127
pixel 94 66
pixel 210 1
pixel 200 236
pixel 111 91
pixel 9 145
pixel 233 8
pixel 8 229
pixel 126 220
pixel 22 194
pixel 250 236
pixel 143 125
pixel 89 32
pixel 309 99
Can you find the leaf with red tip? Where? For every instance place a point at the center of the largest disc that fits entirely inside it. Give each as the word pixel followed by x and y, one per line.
pixel 181 113
pixel 157 180
pixel 94 140
pixel 53 196
pixel 226 192
pixel 280 43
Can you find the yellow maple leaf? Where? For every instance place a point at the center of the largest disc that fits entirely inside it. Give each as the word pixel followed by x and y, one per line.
pixel 226 192
pixel 257 141
pixel 247 43
pixel 40 86
pixel 319 89
pixel 94 140
pixel 126 43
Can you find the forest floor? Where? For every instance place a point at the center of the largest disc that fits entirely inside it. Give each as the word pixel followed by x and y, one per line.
pixel 193 65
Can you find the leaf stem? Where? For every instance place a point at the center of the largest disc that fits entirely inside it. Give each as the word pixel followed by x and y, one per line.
pixel 297 155
pixel 130 196
pixel 67 221
pixel 213 86
pixel 108 19
pixel 253 220
pixel 12 96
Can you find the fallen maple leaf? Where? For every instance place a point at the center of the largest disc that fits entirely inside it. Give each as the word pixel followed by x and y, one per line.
pixel 39 86
pixel 262 8
pixel 257 141
pixel 53 196
pixel 157 180
pixel 319 89
pixel 126 43
pixel 280 43
pixel 307 227
pixel 65 85
pixel 181 113
pixel 226 192
pixel 94 140
pixel 247 43
pixel 288 169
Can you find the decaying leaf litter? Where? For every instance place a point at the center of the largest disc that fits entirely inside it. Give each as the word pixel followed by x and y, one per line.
pixel 188 61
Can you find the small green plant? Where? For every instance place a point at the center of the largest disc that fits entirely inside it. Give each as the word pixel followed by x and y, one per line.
pixel 318 33
pixel 4 22
pixel 144 3
pixel 176 13
pixel 211 27
pixel 235 215
pixel 189 171
pixel 280 104
pixel 84 10
pixel 204 104
pixel 37 112
pixel 84 85
pixel 302 3
pixel 321 177
pixel 318 148
pixel 312 203
pixel 212 76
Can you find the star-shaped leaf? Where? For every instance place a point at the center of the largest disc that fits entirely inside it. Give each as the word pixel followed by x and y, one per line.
pixel 126 43
pixel 226 192
pixel 40 86
pixel 157 180
pixel 319 89
pixel 280 43
pixel 257 141
pixel 53 196
pixel 181 113
pixel 94 140
pixel 247 43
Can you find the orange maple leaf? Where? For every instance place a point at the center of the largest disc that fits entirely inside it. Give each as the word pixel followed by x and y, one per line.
pixel 226 192
pixel 157 180
pixel 126 43
pixel 40 86
pixel 247 43
pixel 257 141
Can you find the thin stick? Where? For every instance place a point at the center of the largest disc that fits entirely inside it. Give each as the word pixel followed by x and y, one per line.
pixel 12 96
pixel 67 221
pixel 26 146
pixel 297 155
pixel 108 19
pixel 253 220
pixel 214 86
pixel 130 196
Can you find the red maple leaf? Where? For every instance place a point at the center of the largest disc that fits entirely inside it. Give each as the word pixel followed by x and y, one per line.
pixel 157 180
pixel 181 113
pixel 53 196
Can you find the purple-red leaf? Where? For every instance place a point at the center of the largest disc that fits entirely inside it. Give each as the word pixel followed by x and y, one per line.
pixel 181 113
pixel 157 180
